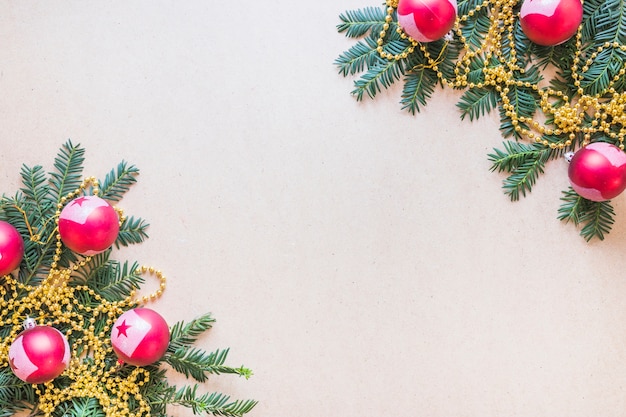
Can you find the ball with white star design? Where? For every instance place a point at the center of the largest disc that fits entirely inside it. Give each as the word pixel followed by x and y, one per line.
pixel 140 336
pixel 88 225
pixel 39 354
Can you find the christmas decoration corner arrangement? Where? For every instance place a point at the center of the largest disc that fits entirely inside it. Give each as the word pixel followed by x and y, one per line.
pixel 552 70
pixel 77 339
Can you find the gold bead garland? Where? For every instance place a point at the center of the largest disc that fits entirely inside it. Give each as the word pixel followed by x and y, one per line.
pixel 581 116
pixel 54 302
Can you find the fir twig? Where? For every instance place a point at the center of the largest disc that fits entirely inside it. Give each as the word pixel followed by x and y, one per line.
pixel 524 162
pixel 477 102
pixel 597 218
pixel 132 231
pixel 419 86
pixel 117 182
pixel 196 363
pixel 215 403
pixel 380 75
pixel 185 334
pixel 69 168
pixel 356 23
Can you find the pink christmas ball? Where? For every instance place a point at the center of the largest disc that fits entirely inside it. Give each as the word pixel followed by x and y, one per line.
pixel 140 336
pixel 550 22
pixel 11 248
pixel 39 354
pixel 426 20
pixel 597 172
pixel 88 225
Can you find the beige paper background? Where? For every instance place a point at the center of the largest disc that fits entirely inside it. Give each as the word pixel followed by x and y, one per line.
pixel 363 262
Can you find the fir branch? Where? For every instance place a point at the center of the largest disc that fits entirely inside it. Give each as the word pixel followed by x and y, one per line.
pixel 523 100
pixel 380 75
pixel 14 394
pixel 81 407
pixel 446 53
pixel 158 391
pixel 35 189
pixel 360 56
pixel 215 403
pixel 520 44
pixel 115 281
pixel 196 363
pixel 476 102
pixel 573 207
pixel 596 217
pixel 357 23
pixel 507 128
pixel 609 28
pixel 545 55
pixel 87 272
pixel 476 72
pixel 132 231
pixel 69 168
pixel 593 10
pixel 184 334
pixel 37 233
pixel 419 86
pixel 117 182
pixel 525 163
pixel 523 177
pixel 395 46
pixel 514 155
pixel 599 221
pixel 475 29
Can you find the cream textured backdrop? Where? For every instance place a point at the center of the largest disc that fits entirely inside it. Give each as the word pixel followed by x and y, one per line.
pixel 361 261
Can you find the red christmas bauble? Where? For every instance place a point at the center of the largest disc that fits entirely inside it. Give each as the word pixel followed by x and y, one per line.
pixel 39 354
pixel 140 336
pixel 597 172
pixel 426 20
pixel 550 22
pixel 11 248
pixel 88 225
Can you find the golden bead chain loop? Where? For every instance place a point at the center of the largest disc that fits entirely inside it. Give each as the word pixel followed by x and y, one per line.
pixel 55 302
pixel 581 116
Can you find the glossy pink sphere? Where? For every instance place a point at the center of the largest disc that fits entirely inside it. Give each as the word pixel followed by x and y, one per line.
pixel 140 336
pixel 39 354
pixel 550 22
pixel 597 172
pixel 426 20
pixel 11 248
pixel 88 225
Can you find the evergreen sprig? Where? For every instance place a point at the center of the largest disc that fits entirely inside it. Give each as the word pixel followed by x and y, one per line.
pixel 32 211
pixel 69 168
pixel 359 22
pixel 213 403
pixel 525 163
pixel 118 181
pixel 595 217
pixel 601 60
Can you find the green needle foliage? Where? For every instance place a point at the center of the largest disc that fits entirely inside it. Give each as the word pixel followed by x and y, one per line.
pixel 600 71
pixel 32 211
pixel 595 217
